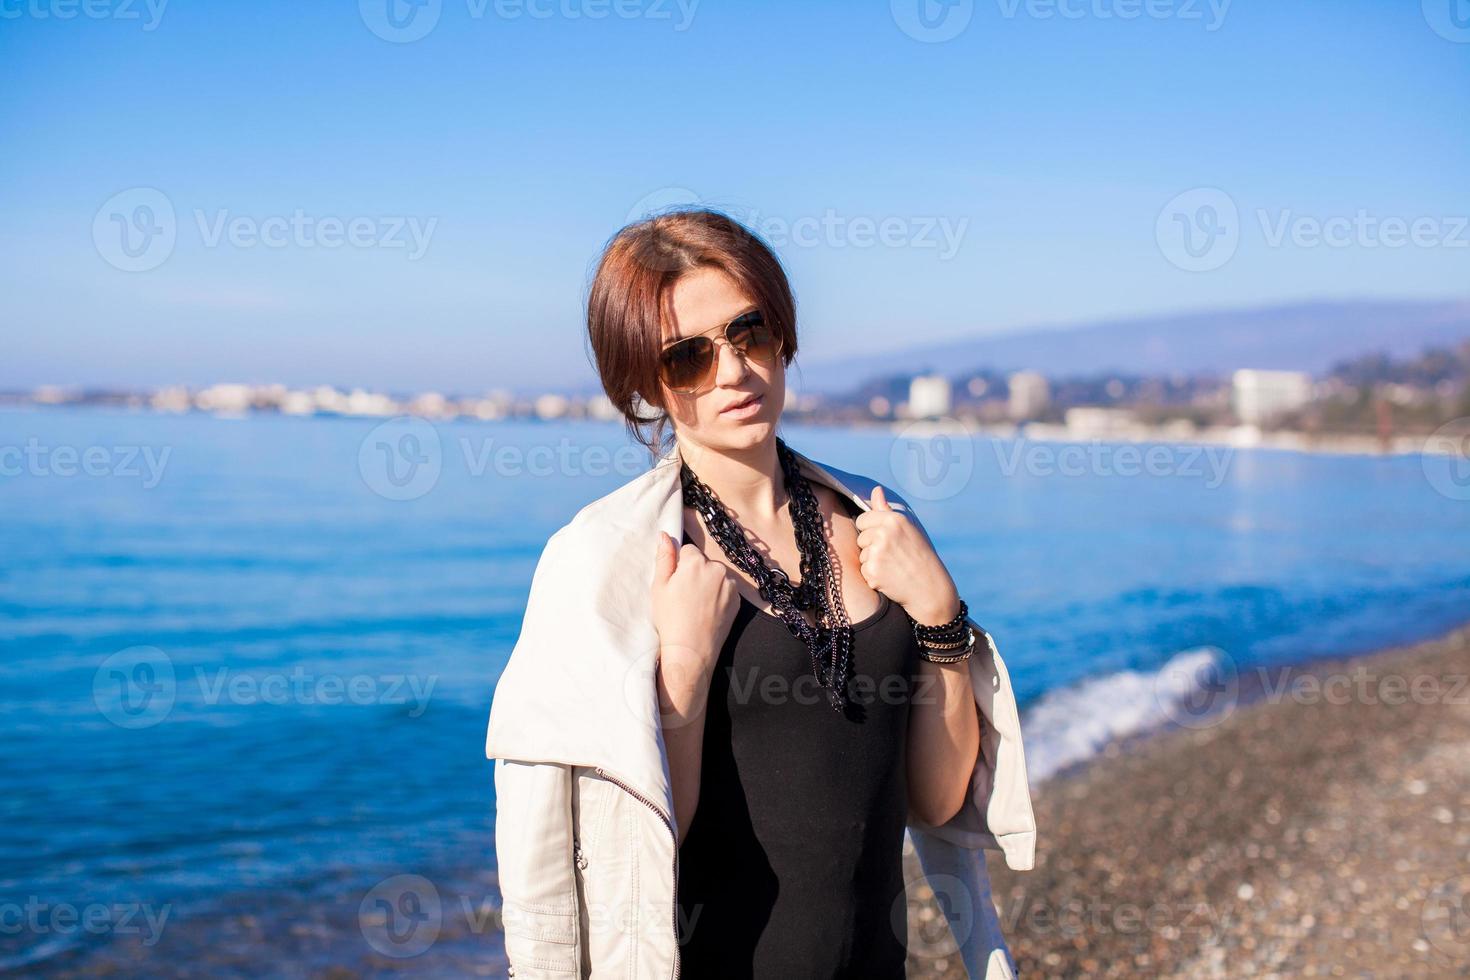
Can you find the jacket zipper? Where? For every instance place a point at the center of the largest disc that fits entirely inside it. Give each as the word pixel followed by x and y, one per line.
pixel 673 833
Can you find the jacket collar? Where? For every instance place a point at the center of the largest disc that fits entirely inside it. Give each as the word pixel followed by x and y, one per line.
pixel 579 688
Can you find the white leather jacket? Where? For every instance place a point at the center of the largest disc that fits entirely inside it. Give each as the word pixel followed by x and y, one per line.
pixel 585 835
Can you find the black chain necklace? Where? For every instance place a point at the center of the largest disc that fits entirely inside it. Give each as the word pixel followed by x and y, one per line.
pixel 830 641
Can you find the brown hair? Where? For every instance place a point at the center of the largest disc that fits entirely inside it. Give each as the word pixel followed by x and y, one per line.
pixel 631 289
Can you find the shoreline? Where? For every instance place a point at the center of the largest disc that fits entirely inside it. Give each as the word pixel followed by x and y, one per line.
pixel 1319 827
pixel 1228 438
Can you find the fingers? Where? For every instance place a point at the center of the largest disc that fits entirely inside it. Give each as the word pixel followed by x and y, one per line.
pixel 878 510
pixel 665 558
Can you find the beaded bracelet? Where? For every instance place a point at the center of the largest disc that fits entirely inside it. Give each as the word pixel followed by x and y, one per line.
pixel 952 630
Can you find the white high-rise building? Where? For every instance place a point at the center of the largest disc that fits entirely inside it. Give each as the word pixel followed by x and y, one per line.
pixel 1260 395
pixel 929 396
pixel 1030 394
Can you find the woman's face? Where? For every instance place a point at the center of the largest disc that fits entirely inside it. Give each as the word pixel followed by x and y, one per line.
pixel 702 300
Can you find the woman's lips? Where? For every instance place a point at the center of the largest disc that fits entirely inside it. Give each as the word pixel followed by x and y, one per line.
pixel 746 410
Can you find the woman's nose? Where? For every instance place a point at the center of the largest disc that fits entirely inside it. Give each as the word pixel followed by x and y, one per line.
pixel 731 368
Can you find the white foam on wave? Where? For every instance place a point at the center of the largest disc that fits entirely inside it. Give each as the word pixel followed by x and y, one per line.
pixel 1075 723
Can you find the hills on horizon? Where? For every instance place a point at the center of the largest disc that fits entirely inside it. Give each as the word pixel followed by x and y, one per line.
pixel 1311 336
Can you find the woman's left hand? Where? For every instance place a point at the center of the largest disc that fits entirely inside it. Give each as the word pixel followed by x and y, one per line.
pixel 898 560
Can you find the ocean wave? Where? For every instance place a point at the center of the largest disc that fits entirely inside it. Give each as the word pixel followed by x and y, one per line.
pixel 1072 724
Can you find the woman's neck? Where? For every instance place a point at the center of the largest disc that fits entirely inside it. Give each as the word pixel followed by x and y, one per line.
pixel 748 482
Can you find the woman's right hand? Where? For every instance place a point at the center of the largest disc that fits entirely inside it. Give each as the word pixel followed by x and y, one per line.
pixel 694 605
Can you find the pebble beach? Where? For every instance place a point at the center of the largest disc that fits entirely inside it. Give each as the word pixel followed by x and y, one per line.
pixel 1318 828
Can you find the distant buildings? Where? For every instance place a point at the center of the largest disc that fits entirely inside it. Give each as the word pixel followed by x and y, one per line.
pixel 551 406
pixel 1259 396
pixel 601 407
pixel 225 399
pixel 174 399
pixel 1100 423
pixel 1030 395
pixel 929 396
pixel 1373 397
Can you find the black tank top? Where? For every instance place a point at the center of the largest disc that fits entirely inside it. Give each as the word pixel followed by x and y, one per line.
pixel 793 866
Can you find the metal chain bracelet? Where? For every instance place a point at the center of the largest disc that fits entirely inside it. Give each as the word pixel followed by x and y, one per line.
pixel 933 654
pixel 935 642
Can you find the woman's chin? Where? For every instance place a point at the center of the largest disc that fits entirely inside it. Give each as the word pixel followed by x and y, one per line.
pixel 745 434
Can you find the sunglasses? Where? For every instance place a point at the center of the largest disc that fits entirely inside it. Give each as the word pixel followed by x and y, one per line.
pixel 688 365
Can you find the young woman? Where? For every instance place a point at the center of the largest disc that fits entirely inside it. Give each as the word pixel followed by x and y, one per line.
pixel 789 642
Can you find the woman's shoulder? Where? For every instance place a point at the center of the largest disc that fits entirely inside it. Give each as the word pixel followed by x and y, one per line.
pixel 836 503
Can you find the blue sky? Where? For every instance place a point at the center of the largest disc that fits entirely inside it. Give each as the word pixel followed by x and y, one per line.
pixel 1023 170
